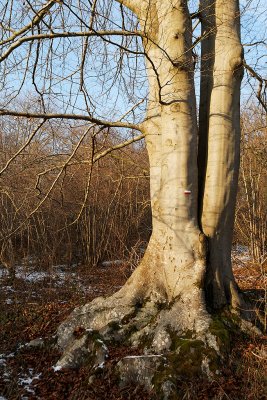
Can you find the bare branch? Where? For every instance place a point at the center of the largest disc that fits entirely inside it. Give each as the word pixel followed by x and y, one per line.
pixel 118 146
pixel 51 36
pixel 260 42
pixel 47 116
pixel 38 17
pixel 22 148
pixel 262 84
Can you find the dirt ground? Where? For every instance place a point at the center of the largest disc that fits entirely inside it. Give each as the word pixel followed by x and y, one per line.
pixel 37 301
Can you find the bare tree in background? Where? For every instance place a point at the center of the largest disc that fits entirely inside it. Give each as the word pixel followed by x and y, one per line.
pixel 88 216
pixel 78 57
pixel 251 214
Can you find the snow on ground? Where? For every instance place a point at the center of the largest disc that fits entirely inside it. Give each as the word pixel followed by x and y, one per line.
pixel 5 372
pixel 27 380
pixel 58 274
pixel 112 263
pixel 241 253
pixel 3 274
pixel 2 360
pixel 56 368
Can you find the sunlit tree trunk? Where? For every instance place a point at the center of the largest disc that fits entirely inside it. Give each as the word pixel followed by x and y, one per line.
pixel 222 133
pixel 181 278
pixel 171 136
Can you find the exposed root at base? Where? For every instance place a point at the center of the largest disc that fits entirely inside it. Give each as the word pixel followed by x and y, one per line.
pixel 175 340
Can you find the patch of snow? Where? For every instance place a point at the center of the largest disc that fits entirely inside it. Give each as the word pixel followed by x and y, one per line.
pixel 5 369
pixel 2 361
pixel 59 274
pixel 3 272
pixel 146 356
pixel 65 267
pixel 99 366
pixel 27 381
pixel 241 253
pixel 6 377
pixel 240 248
pixel 111 263
pixel 8 288
pixel 2 398
pixel 31 276
pixel 4 357
pixel 21 346
pixel 102 344
pixel 56 368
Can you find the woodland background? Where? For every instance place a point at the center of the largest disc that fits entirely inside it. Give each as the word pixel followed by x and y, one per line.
pixel 102 212
pixel 75 220
pixel 83 237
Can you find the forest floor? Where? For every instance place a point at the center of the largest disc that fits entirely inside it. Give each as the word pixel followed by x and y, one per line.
pixel 37 301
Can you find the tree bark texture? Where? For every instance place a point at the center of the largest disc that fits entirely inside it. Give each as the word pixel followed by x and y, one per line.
pixel 221 132
pixel 180 154
pixel 186 271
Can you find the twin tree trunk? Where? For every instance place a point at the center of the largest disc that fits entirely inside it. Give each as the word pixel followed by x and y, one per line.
pixel 186 272
pixel 193 171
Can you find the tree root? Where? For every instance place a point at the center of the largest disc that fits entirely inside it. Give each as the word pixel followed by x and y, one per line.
pixel 177 337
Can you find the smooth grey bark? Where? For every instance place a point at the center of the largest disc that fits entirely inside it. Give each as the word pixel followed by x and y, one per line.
pixel 208 32
pixel 174 264
pixel 171 136
pixel 165 297
pixel 221 132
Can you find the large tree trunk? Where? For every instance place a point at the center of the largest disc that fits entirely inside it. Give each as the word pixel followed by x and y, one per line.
pixel 220 133
pixel 171 136
pixel 164 299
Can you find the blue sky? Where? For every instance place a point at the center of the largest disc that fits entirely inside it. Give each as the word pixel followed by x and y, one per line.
pixel 111 97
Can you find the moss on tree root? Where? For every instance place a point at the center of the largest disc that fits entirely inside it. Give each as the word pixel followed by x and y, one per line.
pixel 185 354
